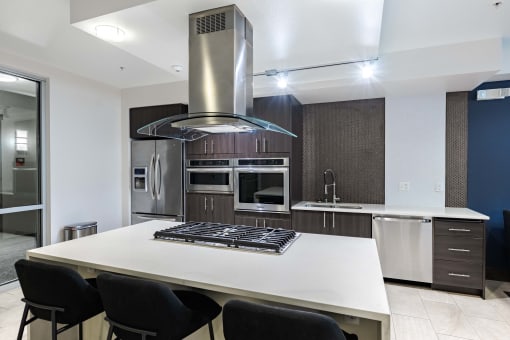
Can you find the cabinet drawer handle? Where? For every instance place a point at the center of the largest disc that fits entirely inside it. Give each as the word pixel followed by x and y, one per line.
pixel 459 275
pixel 205 147
pixel 256 145
pixel 256 222
pixel 324 220
pixel 205 203
pixel 264 223
pixel 212 203
pixel 459 229
pixel 460 250
pixel 264 145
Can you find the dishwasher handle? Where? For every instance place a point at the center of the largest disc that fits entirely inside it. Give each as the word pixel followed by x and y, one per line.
pixel 402 219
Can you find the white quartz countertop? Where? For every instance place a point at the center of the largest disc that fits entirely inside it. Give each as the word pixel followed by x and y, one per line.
pixel 396 210
pixel 330 273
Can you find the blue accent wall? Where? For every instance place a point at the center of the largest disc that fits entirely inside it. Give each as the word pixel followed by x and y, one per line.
pixel 489 167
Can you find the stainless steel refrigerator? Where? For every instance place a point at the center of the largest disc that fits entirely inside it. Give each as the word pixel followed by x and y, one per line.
pixel 156 180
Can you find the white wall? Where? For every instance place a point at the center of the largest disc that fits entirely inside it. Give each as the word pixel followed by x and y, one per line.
pixel 169 93
pixel 415 150
pixel 83 134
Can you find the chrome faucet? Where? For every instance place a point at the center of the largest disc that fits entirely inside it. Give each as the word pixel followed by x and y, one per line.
pixel 333 184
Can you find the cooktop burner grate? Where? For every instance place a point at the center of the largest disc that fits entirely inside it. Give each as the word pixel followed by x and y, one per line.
pixel 235 236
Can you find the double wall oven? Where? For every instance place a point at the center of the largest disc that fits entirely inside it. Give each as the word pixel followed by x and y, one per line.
pixel 210 176
pixel 261 184
pixel 258 184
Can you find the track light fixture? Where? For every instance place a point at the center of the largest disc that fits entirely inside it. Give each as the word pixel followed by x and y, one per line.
pixel 367 70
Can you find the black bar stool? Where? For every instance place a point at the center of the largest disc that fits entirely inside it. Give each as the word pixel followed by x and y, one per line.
pixel 251 321
pixel 57 294
pixel 139 308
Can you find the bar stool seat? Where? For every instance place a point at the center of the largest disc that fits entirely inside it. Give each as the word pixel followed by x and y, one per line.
pixel 252 321
pixel 57 294
pixel 138 308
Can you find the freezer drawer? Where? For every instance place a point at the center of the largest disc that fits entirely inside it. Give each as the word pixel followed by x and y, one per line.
pixel 404 245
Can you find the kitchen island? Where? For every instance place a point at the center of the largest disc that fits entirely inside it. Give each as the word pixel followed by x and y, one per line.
pixel 340 276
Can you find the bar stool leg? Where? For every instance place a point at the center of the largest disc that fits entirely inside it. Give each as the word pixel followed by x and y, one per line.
pixel 54 324
pixel 22 324
pixel 110 333
pixel 80 331
pixel 211 331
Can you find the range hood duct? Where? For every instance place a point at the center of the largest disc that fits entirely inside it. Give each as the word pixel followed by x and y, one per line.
pixel 220 79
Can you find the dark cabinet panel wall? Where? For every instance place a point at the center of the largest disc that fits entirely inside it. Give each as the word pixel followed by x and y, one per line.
pixel 141 116
pixel 285 111
pixel 456 149
pixel 276 110
pixel 347 137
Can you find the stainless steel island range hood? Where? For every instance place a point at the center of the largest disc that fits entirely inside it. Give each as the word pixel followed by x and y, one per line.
pixel 220 79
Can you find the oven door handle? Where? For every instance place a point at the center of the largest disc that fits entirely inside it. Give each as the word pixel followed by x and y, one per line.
pixel 257 169
pixel 219 170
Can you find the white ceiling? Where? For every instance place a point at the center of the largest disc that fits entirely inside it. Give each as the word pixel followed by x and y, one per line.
pixel 432 45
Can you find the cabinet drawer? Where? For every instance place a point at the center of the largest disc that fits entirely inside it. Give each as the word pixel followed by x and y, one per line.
pixel 459 228
pixel 458 273
pixel 458 248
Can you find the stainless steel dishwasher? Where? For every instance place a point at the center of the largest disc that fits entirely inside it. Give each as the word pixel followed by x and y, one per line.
pixel 404 244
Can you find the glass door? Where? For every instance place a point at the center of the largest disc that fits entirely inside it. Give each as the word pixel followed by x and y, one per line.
pixel 20 170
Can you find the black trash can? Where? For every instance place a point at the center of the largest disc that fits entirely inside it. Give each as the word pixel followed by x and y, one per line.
pixel 78 230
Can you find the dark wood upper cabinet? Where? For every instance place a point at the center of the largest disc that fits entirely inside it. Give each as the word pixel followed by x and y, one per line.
pixel 211 146
pixel 141 116
pixel 284 111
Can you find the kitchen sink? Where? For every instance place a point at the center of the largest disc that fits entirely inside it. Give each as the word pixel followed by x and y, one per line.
pixel 332 205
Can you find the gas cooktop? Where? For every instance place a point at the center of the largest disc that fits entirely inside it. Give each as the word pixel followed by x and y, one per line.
pixel 274 240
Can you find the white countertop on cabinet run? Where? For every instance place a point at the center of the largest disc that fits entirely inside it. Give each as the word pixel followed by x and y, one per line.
pixel 396 210
pixel 330 273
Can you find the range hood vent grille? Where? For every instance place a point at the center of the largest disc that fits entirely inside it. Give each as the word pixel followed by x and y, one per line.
pixel 211 23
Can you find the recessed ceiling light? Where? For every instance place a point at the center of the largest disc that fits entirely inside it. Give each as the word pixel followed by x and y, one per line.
pixel 7 78
pixel 110 33
pixel 177 68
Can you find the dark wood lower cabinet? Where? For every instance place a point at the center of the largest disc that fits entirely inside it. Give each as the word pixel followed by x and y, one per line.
pixel 210 208
pixel 459 255
pixel 332 223
pixel 263 220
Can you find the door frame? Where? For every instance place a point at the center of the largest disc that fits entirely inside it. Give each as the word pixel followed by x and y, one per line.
pixel 44 234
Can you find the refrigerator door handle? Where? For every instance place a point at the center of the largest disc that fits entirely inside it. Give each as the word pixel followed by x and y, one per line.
pixel 157 179
pixel 151 175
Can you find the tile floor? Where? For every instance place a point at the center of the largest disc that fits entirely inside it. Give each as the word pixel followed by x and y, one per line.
pixel 417 313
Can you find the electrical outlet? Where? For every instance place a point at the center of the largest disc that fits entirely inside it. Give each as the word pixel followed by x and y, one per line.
pixel 404 186
pixel 438 187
